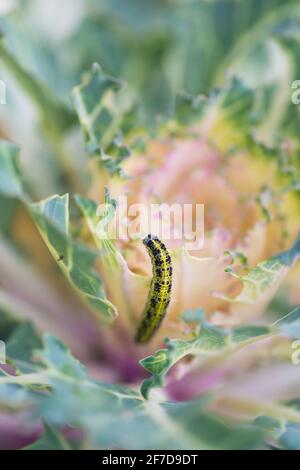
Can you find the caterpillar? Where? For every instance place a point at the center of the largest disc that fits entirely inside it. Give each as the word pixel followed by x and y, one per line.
pixel 160 289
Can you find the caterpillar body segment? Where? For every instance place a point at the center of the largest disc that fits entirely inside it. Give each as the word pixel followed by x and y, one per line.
pixel 160 289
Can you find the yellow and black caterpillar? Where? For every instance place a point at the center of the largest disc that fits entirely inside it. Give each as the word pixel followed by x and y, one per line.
pixel 160 289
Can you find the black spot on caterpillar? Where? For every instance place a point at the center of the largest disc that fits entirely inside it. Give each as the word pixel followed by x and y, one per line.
pixel 160 289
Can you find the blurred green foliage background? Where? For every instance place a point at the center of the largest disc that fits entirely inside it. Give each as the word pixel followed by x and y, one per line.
pixel 158 46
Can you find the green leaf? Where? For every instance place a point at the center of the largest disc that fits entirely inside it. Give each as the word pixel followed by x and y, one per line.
pixel 52 219
pixel 114 416
pixel 21 345
pixel 244 333
pixel 290 323
pixel 8 210
pixel 234 104
pixel 10 174
pixel 194 422
pixel 57 356
pixel 106 115
pixel 7 325
pixel 53 114
pixel 51 439
pixel 13 396
pixel 290 438
pixel 267 422
pixel 114 269
pixel 98 225
pixel 188 108
pixel 285 433
pixel 210 340
pixel 237 101
pixel 261 282
pixel 55 118
pixel 97 222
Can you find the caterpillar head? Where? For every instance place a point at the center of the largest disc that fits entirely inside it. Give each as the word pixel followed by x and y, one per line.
pixel 149 238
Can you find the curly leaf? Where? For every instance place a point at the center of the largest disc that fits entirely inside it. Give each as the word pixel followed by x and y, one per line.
pixel 260 284
pixel 51 217
pixel 76 261
pixel 113 415
pixel 210 340
pixel 105 116
pixel 130 289
pixel 98 223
